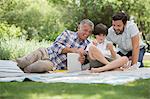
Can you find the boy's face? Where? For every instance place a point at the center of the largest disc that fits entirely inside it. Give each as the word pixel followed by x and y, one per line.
pixel 100 38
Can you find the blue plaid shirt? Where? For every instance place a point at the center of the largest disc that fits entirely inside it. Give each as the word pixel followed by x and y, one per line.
pixel 65 39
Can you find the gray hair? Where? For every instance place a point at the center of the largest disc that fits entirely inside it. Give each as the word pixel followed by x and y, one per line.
pixel 87 21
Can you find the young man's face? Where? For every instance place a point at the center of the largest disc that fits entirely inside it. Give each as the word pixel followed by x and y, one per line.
pixel 84 31
pixel 118 26
pixel 100 38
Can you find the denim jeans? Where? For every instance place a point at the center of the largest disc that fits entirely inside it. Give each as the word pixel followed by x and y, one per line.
pixel 141 55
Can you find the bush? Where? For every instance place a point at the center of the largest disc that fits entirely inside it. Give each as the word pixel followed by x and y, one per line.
pixel 14 48
pixel 41 20
pixel 9 31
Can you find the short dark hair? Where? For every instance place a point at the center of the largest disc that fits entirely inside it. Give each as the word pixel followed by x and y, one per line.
pixel 120 16
pixel 100 29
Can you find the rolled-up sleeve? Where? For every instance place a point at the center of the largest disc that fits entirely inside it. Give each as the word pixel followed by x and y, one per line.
pixel 133 30
pixel 60 42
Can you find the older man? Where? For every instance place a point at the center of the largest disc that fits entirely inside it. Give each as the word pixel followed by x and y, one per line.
pixel 54 57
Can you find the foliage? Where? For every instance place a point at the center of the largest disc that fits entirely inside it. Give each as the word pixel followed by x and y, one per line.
pixel 14 48
pixel 101 11
pixel 39 18
pixel 9 31
pixel 46 19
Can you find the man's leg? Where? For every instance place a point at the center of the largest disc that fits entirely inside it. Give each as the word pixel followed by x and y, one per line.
pixel 141 55
pixel 39 54
pixel 112 65
pixel 39 66
pixel 120 53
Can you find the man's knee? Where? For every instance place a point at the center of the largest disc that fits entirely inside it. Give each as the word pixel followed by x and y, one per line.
pixel 27 69
pixel 39 66
pixel 21 62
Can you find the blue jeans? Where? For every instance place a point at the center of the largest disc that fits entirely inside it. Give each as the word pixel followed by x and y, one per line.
pixel 141 55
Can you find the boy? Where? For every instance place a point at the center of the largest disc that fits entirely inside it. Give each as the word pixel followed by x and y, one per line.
pixel 102 55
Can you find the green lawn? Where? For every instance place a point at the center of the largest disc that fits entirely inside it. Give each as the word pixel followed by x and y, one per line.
pixel 139 89
pixel 147 63
pixel 33 90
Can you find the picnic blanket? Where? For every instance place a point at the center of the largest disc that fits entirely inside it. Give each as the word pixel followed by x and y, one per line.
pixel 9 71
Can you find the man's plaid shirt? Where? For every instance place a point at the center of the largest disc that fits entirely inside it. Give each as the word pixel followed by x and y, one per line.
pixel 65 39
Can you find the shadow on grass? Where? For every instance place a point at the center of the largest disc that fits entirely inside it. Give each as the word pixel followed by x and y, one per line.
pixel 34 90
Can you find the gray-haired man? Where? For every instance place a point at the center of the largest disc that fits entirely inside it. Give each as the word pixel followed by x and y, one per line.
pixel 54 57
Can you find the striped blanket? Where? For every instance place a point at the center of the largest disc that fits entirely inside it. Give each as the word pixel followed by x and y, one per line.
pixel 9 71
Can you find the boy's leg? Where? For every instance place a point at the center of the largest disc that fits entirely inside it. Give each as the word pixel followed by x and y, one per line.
pixel 38 54
pixel 95 54
pixel 112 65
pixel 95 64
pixel 39 66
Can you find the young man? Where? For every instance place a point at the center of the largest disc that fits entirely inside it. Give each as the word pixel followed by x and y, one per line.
pixel 102 55
pixel 54 57
pixel 125 34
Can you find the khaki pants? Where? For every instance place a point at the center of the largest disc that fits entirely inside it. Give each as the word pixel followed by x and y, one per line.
pixel 37 61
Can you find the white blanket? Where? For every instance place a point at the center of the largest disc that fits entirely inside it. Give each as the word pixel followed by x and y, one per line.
pixel 10 72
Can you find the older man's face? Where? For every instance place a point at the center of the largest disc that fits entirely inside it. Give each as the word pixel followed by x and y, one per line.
pixel 84 31
pixel 118 26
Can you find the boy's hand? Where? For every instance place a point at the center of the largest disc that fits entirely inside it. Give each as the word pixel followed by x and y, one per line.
pixel 112 51
pixel 94 42
pixel 110 47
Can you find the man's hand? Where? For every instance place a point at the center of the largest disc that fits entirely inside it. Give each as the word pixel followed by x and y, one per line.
pixel 81 50
pixel 81 58
pixel 78 50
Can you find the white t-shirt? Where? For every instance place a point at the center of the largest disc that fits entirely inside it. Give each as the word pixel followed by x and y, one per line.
pixel 123 40
pixel 102 47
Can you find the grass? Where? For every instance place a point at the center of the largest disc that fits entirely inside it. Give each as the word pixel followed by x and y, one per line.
pixel 139 89
pixel 147 63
